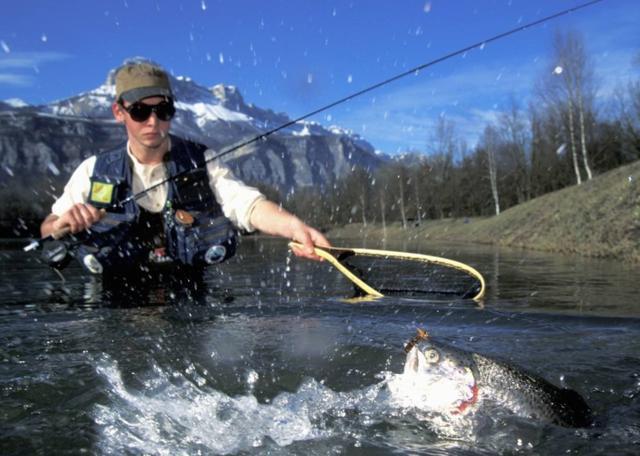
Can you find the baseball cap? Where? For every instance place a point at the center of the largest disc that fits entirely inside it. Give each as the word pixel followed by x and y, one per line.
pixel 135 81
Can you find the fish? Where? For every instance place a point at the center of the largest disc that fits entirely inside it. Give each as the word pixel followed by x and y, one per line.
pixel 457 381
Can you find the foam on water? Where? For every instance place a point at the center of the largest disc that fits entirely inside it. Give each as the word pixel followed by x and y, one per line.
pixel 177 415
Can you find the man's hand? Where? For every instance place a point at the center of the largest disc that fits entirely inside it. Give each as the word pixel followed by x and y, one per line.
pixel 78 218
pixel 308 237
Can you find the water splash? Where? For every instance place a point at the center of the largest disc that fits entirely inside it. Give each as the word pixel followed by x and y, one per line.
pixel 173 414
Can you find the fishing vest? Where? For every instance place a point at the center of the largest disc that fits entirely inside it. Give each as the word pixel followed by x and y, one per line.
pixel 191 227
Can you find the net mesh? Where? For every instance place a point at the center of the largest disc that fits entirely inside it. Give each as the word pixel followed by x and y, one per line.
pixel 411 277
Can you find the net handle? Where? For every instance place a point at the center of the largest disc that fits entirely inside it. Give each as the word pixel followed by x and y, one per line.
pixel 325 253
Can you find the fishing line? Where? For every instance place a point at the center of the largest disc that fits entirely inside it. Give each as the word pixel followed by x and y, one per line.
pixel 414 70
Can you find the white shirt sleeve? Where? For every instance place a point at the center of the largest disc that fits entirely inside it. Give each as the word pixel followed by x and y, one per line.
pixel 236 198
pixel 77 189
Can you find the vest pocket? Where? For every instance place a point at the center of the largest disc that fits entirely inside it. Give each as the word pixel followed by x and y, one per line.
pixel 208 240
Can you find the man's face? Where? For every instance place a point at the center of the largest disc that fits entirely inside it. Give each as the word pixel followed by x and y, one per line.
pixel 151 133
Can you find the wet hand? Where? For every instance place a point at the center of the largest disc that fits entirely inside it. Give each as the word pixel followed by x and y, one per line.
pixel 78 218
pixel 308 237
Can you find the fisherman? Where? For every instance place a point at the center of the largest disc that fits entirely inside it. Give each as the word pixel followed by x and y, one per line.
pixel 190 220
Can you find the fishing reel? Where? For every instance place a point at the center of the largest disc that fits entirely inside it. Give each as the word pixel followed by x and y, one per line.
pixel 55 254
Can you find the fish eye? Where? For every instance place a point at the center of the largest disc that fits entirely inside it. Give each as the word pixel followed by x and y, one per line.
pixel 432 356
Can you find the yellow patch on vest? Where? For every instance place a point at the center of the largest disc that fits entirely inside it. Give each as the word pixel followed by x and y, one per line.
pixel 101 192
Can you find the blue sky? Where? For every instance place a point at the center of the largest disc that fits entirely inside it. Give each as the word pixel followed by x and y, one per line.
pixel 295 56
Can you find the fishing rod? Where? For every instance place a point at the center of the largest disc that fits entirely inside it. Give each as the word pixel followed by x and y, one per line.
pixel 263 136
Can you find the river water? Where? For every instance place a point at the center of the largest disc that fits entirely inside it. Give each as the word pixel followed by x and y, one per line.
pixel 273 359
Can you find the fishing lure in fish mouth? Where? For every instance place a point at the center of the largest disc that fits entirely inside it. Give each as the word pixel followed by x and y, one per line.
pixel 421 335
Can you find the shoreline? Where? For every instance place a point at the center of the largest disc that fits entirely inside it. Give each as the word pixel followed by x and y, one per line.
pixel 599 218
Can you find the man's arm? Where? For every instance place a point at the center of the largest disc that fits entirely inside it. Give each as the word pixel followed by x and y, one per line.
pixel 270 218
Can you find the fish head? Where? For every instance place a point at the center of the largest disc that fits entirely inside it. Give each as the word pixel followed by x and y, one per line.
pixel 441 378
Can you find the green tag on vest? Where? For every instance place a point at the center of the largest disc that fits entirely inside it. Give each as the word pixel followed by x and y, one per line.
pixel 101 192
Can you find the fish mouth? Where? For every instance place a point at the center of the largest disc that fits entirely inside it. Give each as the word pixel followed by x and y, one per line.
pixel 467 404
pixel 446 379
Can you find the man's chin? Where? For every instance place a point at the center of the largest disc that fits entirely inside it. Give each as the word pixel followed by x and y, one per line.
pixel 154 141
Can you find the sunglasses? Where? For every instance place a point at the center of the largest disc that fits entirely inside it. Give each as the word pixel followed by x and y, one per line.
pixel 141 112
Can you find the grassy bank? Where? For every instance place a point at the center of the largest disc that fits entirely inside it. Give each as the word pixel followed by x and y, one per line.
pixel 600 218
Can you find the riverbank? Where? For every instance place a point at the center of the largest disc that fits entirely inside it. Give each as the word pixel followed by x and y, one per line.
pixel 599 218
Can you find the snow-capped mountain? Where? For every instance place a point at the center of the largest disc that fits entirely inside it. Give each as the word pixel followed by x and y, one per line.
pixel 15 103
pixel 60 134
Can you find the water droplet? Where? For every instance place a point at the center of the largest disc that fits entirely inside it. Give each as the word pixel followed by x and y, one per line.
pixel 252 379
pixel 558 70
pixel 221 58
pixel 44 38
pixel 203 5
pixel 53 168
pixel 349 79
pixel 427 7
pixel 309 78
pixel 5 46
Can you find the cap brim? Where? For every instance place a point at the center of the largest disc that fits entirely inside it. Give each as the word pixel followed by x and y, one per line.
pixel 140 93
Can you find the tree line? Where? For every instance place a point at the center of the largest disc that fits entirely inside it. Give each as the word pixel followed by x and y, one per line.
pixel 565 136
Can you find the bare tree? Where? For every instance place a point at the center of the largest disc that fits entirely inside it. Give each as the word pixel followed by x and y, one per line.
pixel 420 171
pixel 443 147
pixel 382 214
pixel 627 112
pixel 549 170
pixel 490 141
pixel 360 184
pixel 513 127
pixel 402 181
pixel 573 84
